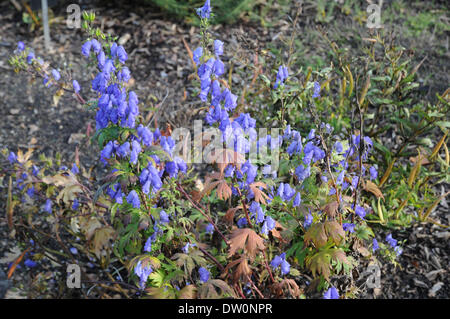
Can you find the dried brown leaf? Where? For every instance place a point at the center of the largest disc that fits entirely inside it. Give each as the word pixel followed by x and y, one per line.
pixel 246 239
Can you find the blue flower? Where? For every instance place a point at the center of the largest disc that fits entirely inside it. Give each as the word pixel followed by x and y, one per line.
pixel 316 93
pixel 30 191
pixel 360 211
pixel 56 75
pixel 297 200
pixel 124 75
pixel 30 263
pixel 96 46
pixel 281 261
pixel 142 273
pixel 282 75
pixel 20 46
pixel 163 217
pixel 331 293
pixel 218 47
pixel 76 86
pixel 187 246
pixel 75 169
pixel 133 199
pixel 391 241
pixel 12 158
pixel 73 250
pixel 148 244
pixel 398 250
pixel 241 222
pixel 75 204
pixel 285 267
pixel 256 209
pixel 349 227
pixel 308 220
pixel 209 229
pixel 338 147
pixel 204 274
pixel 86 48
pixel 48 206
pixel 375 245
pixel 197 54
pixel 205 11
pixel 268 225
pixel 302 172
pixel 30 57
pixel 373 172
pixel 122 54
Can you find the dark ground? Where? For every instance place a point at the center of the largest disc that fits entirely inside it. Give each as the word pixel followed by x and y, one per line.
pixel 160 67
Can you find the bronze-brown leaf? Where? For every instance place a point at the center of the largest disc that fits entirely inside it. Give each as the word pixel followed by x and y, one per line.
pixel 373 188
pixel 246 239
pixel 331 209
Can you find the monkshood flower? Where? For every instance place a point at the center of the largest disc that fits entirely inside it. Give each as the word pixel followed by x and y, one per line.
pixel 148 244
pixel 331 293
pixel 150 178
pixel 218 47
pixel 12 158
pixel 75 204
pixel 197 54
pixel 205 11
pixel 145 135
pixel 373 172
pixel 282 75
pixel 73 250
pixel 286 192
pixel 76 86
pixel 360 211
pixel 256 209
pixel 30 191
pixel 302 172
pixel 163 217
pixel 142 273
pixel 391 241
pixel 56 75
pixel 398 250
pixel 375 245
pixel 115 192
pixel 316 92
pixel 338 147
pixel 297 200
pixel 133 199
pixel 280 260
pixel 308 220
pixel 121 54
pixel 30 57
pixel 30 263
pixel 269 224
pixel 20 46
pixel 48 206
pixel 241 222
pixel 75 169
pixel 187 246
pixel 349 227
pixel 204 274
pixel 209 229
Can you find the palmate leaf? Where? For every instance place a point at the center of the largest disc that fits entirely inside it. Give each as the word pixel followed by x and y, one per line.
pixel 246 239
pixel 242 270
pixel 320 263
pixel 319 233
pixel 214 289
pixel 188 292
